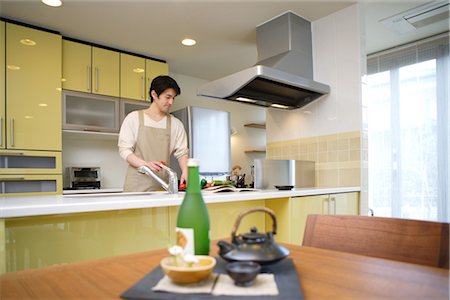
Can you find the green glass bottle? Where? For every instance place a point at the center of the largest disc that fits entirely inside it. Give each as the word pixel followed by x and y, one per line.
pixel 192 230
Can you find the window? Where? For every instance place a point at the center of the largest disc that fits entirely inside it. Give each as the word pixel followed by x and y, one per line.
pixel 408 131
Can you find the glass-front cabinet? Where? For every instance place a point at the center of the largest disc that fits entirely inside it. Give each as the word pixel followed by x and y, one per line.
pixel 87 112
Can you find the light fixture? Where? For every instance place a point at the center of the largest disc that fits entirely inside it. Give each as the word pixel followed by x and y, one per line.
pixel 42 104
pixel 53 3
pixel 279 106
pixel 243 99
pixel 27 42
pixel 28 117
pixel 189 42
pixel 418 17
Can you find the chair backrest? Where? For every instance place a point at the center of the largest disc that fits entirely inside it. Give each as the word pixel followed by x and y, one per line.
pixel 419 242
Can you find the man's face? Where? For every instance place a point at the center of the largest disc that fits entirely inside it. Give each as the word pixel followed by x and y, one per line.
pixel 165 100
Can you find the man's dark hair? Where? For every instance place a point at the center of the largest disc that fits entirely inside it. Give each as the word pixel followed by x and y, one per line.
pixel 162 83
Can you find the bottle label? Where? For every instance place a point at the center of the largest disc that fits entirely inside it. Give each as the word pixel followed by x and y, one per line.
pixel 185 239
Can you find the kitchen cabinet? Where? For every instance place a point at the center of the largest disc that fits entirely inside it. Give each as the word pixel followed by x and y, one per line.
pixel 30 162
pixel 153 69
pixel 132 77
pixel 293 212
pixel 87 112
pixel 127 106
pixel 33 89
pixel 90 69
pixel 136 75
pixel 2 85
pixel 30 185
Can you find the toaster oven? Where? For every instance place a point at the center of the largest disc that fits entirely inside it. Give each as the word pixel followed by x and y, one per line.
pixel 83 177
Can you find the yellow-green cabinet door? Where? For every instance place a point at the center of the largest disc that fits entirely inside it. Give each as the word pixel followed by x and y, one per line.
pixel 2 85
pixel 105 72
pixel 345 204
pixel 76 66
pixel 132 77
pixel 153 69
pixel 300 208
pixel 33 89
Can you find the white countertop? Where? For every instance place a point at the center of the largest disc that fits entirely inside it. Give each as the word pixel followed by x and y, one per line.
pixel 11 207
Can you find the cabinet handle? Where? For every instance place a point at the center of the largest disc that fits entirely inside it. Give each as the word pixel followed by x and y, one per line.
pixel 143 87
pixel 12 132
pixel 1 131
pixel 88 82
pixel 327 201
pixel 333 199
pixel 12 178
pixel 148 84
pixel 96 79
pixel 12 153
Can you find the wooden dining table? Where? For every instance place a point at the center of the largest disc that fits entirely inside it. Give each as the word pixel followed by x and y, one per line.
pixel 323 274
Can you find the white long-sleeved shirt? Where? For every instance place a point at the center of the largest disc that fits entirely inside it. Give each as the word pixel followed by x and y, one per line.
pixel 130 128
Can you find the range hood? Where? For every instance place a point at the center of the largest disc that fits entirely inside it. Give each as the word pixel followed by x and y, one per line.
pixel 283 75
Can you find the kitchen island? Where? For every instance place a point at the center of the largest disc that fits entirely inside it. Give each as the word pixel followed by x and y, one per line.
pixel 39 231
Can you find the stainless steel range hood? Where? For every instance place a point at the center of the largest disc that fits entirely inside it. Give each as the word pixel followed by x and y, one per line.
pixel 283 75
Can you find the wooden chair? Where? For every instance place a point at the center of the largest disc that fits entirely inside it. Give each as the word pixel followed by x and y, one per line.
pixel 419 242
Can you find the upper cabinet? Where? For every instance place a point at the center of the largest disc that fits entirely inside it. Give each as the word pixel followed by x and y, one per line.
pixel 2 85
pixel 136 75
pixel 132 77
pixel 33 89
pixel 90 69
pixel 153 69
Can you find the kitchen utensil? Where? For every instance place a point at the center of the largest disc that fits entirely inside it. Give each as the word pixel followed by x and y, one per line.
pixel 253 246
pixel 188 274
pixel 284 187
pixel 243 273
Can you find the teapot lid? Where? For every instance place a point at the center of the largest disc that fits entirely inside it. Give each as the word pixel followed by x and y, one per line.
pixel 254 237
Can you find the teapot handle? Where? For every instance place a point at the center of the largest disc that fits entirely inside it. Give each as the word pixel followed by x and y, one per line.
pixel 251 210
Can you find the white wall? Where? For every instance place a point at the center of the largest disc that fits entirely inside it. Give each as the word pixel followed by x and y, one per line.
pixel 337 62
pixel 94 150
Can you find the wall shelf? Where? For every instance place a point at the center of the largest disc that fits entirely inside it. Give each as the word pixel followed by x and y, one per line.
pixel 255 151
pixel 255 125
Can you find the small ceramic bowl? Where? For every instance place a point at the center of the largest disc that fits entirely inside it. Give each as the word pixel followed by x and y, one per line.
pixel 243 273
pixel 189 274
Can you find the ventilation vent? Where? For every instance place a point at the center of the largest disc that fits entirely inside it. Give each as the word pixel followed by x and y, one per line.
pixel 418 17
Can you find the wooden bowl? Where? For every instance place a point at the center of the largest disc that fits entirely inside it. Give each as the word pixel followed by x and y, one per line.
pixel 188 275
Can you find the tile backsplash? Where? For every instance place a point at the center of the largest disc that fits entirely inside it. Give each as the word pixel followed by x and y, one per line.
pixel 337 156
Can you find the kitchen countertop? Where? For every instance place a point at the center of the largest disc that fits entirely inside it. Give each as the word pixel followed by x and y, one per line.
pixel 12 207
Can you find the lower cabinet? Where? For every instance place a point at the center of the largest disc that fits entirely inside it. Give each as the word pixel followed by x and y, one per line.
pixel 26 173
pixel 292 213
pixel 27 185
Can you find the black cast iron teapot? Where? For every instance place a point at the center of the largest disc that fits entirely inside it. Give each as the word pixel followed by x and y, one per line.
pixel 253 246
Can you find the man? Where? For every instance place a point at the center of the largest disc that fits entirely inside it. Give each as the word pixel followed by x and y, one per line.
pixel 148 137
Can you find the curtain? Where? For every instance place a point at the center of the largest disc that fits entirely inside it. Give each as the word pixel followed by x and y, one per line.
pixel 408 130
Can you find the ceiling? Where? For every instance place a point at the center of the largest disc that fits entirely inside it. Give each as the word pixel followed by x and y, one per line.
pixel 224 30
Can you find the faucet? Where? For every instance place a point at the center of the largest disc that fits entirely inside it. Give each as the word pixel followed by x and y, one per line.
pixel 171 186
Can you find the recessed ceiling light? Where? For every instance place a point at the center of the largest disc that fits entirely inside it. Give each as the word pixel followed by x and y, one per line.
pixel 27 42
pixel 53 3
pixel 189 42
